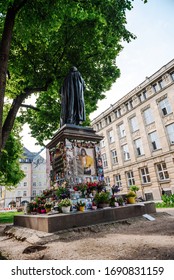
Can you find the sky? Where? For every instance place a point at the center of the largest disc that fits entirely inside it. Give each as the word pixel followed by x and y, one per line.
pixel 153 25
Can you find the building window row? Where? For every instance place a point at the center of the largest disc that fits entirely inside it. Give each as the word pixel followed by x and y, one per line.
pixel 148 118
pixel 21 193
pixel 157 86
pixel 34 192
pixel 161 171
pixel 154 143
pixel 37 183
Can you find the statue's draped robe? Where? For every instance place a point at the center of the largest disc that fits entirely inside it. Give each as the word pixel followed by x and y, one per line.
pixel 72 99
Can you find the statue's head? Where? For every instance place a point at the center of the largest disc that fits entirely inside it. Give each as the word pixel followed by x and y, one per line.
pixel 73 69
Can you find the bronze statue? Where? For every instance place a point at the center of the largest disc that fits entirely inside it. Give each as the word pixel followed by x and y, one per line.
pixel 72 99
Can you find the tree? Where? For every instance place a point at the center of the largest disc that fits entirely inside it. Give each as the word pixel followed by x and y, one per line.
pixel 10 171
pixel 40 41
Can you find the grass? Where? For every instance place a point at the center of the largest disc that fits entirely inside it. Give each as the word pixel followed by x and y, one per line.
pixel 7 217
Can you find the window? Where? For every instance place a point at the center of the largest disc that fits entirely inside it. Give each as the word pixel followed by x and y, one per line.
pixel 122 132
pixel 108 120
pixel 155 87
pixel 161 84
pixel 111 136
pixel 162 171
pixel 117 180
pixel 148 116
pixel 149 196
pixel 126 155
pixel 102 143
pixel 104 158
pixel 117 113
pixel 134 124
pixel 172 75
pixel 19 193
pixel 40 184
pixel 142 96
pixel 139 147
pixel 129 105
pixel 114 157
pixel 170 131
pixel 107 179
pixel 25 184
pixel 145 177
pixel 34 192
pixel 24 193
pixel 165 106
pixel 154 141
pixel 130 178
pixel 99 126
pixel 34 184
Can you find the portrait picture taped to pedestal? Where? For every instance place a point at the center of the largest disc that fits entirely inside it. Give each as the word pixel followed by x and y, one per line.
pixel 85 161
pixel 100 172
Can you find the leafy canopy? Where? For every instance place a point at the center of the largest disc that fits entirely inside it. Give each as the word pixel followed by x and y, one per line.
pixel 10 171
pixel 40 41
pixel 51 36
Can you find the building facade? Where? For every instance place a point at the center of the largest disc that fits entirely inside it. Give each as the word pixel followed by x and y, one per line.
pixel 138 130
pixel 36 180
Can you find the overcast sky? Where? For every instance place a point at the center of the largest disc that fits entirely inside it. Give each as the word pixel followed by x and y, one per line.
pixel 153 24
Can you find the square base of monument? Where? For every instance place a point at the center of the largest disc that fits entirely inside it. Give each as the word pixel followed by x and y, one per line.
pixel 58 222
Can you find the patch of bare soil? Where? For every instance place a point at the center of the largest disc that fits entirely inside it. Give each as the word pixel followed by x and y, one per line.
pixel 131 239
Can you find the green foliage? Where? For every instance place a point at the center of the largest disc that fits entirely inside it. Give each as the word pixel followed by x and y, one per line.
pixel 134 188
pixel 102 197
pixel 81 204
pixel 62 192
pixel 65 202
pixel 10 171
pixel 131 194
pixel 49 37
pixel 87 34
pixel 7 217
pixel 168 201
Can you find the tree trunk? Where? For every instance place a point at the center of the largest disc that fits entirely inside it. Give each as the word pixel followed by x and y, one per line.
pixel 4 54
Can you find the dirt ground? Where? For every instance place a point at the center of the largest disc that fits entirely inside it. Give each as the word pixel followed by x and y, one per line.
pixel 131 239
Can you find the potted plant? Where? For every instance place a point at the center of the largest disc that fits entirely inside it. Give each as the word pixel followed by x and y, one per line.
pixel 33 207
pixel 81 205
pixel 65 205
pixel 48 206
pixel 62 192
pixel 131 195
pixel 134 188
pixel 82 188
pixel 102 199
pixel 120 201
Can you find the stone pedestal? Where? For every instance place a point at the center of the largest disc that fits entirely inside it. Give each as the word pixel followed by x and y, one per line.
pixel 75 155
pixel 57 222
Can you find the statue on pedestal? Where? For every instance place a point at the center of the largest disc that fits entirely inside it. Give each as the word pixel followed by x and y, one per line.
pixel 72 99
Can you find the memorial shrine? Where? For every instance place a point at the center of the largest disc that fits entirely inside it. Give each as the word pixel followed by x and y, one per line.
pixel 78 195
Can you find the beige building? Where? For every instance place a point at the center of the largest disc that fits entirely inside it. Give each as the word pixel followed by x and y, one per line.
pixel 37 179
pixel 138 130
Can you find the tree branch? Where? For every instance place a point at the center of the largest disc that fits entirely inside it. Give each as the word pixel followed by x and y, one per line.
pixel 10 119
pixel 30 107
pixel 17 6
